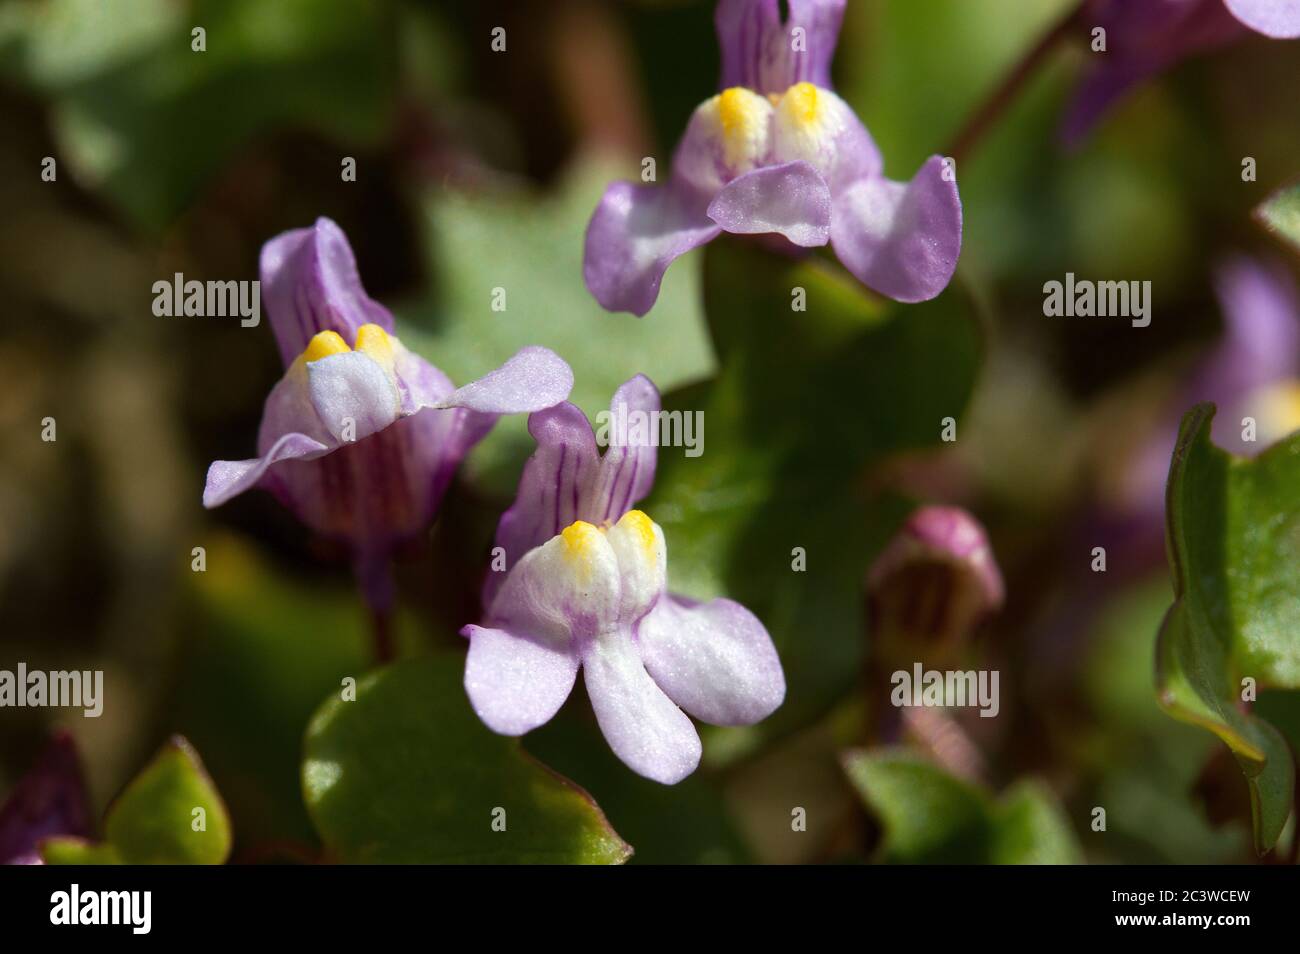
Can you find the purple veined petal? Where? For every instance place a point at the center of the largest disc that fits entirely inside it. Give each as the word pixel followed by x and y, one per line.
pixel 762 53
pixel 645 729
pixel 515 682
pixel 567 479
pixel 791 199
pixel 635 233
pixel 627 471
pixel 310 284
pixel 715 660
pixel 1279 19
pixel 421 383
pixel 552 488
pixel 48 801
pixel 901 239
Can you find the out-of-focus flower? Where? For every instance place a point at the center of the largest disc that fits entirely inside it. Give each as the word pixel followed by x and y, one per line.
pixel 932 583
pixel 49 800
pixel 776 151
pixel 1253 373
pixel 585 587
pixel 360 438
pixel 1147 37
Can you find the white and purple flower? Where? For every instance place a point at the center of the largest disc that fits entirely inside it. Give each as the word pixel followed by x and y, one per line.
pixel 776 151
pixel 585 587
pixel 360 438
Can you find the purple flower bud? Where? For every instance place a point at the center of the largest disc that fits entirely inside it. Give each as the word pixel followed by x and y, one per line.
pixel 49 800
pixel 361 437
pixel 935 579
pixel 585 587
pixel 778 152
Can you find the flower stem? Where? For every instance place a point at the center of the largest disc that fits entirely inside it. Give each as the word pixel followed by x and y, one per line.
pixel 381 629
pixel 1005 94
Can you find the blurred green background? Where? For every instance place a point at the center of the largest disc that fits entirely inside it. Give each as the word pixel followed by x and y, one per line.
pixel 478 169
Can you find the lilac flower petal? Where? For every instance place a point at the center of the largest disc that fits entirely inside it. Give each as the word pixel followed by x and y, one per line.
pixel 901 239
pixel 228 479
pixel 642 725
pixel 1279 19
pixel 516 683
pixel 310 284
pixel 791 199
pixel 553 484
pixel 949 535
pixel 715 660
pixel 627 471
pixel 49 800
pixel 634 235
pixel 768 56
pixel 533 379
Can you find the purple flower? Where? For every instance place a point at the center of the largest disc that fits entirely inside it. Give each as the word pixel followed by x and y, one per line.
pixel 585 587
pixel 934 580
pixel 1254 372
pixel 360 438
pixel 776 151
pixel 49 800
pixel 1147 37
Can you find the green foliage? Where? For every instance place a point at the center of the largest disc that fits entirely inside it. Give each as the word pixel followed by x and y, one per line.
pixel 1233 528
pixel 406 773
pixel 804 403
pixel 171 813
pixel 928 816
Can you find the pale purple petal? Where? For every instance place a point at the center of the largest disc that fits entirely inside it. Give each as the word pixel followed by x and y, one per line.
pixel 533 379
pixel 567 479
pixel 310 284
pixel 48 801
pixel 516 683
pixel 642 725
pixel 634 235
pixel 901 239
pixel 791 199
pixel 1279 19
pixel 228 479
pixel 715 660
pixel 761 52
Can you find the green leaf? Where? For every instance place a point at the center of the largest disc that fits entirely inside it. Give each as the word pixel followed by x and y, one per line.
pixel 805 402
pixel 406 773
pixel 169 814
pixel 531 249
pixel 1233 529
pixel 1280 214
pixel 929 816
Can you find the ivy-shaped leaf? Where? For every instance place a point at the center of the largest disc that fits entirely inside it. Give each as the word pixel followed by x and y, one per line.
pixel 170 813
pixel 929 816
pixel 406 773
pixel 1233 529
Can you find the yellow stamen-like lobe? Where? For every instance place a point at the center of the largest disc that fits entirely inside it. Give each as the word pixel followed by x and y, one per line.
pixel 323 344
pixel 643 528
pixel 375 343
pixel 1277 411
pixel 801 103
pixel 743 118
pixel 580 540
